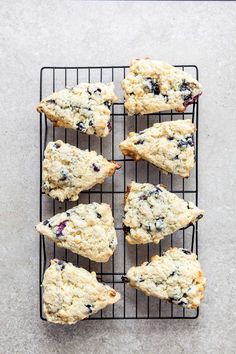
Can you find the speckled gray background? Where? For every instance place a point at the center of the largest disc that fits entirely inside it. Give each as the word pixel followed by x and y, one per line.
pixel 37 33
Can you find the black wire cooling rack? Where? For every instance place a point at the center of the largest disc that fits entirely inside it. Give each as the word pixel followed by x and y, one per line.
pixel 133 304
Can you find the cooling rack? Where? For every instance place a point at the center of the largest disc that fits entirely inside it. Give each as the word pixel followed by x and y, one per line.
pixel 133 304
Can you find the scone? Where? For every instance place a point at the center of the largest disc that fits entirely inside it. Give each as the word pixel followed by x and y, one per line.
pixel 151 213
pixel 85 108
pixel 176 277
pixel 167 145
pixel 68 170
pixel 87 229
pixel 153 86
pixel 72 294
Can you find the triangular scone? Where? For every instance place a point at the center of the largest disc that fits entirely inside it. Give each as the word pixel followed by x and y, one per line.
pixel 153 86
pixel 84 108
pixel 176 277
pixel 68 170
pixel 72 294
pixel 87 229
pixel 167 145
pixel 151 213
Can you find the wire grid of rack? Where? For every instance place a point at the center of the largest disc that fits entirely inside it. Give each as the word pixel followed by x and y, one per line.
pixel 133 304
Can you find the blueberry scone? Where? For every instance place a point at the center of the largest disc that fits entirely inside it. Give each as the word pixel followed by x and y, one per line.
pixel 68 170
pixel 151 213
pixel 72 294
pixel 85 108
pixel 167 145
pixel 87 229
pixel 153 86
pixel 176 277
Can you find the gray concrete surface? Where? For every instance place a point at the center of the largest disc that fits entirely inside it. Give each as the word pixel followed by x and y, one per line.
pixel 58 32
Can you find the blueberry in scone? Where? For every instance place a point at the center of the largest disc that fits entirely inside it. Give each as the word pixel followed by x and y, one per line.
pixel 151 213
pixel 68 170
pixel 87 229
pixel 72 294
pixel 167 145
pixel 176 277
pixel 85 108
pixel 153 86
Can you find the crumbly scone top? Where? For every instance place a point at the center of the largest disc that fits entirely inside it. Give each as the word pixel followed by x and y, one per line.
pixel 85 108
pixel 86 229
pixel 153 86
pixel 72 294
pixel 68 170
pixel 167 145
pixel 152 212
pixel 176 277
